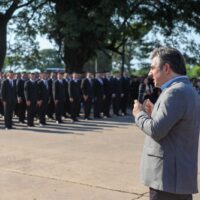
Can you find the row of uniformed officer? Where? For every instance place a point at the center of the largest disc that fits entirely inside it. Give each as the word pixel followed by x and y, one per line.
pixel 62 95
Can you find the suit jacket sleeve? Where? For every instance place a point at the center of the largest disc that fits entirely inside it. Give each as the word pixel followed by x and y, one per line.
pixel 26 93
pixel 54 90
pixel 39 91
pixel 70 89
pixel 4 89
pixel 84 87
pixel 164 115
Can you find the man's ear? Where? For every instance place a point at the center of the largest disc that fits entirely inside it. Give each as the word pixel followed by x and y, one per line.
pixel 167 68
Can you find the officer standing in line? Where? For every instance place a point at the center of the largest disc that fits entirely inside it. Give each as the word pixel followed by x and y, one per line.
pixel 58 91
pixel 125 85
pixel 108 91
pixel 9 98
pixel 87 91
pixel 21 102
pixel 74 96
pixel 117 93
pixel 98 95
pixel 43 98
pixel 51 105
pixel 30 92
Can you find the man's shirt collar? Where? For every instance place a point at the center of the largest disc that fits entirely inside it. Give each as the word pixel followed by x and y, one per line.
pixel 168 83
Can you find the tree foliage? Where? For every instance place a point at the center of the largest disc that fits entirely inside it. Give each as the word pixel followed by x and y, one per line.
pixel 7 12
pixel 46 58
pixel 82 28
pixel 193 71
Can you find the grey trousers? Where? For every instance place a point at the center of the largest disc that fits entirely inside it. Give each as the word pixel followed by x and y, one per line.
pixel 161 195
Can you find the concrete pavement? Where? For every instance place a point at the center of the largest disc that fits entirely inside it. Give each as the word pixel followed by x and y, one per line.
pixel 89 160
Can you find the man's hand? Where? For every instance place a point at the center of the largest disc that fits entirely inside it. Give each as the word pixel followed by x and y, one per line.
pixel 137 108
pixel 39 103
pixel 19 99
pixel 28 103
pixel 71 99
pixel 85 97
pixel 148 106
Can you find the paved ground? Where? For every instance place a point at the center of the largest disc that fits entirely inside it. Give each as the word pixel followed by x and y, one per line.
pixel 90 160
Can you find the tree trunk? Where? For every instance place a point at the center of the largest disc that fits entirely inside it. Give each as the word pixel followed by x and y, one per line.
pixel 75 58
pixel 129 62
pixel 3 40
pixel 123 54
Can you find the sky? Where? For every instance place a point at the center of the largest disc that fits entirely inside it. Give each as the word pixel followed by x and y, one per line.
pixel 44 43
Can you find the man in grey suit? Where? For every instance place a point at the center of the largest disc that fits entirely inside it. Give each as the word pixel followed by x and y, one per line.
pixel 170 157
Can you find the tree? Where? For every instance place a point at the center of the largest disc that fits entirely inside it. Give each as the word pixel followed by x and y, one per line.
pixel 194 71
pixel 81 28
pixel 49 58
pixel 133 51
pixel 46 58
pixel 7 10
pixel 24 52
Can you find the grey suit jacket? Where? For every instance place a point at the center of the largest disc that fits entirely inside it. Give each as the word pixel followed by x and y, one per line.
pixel 170 155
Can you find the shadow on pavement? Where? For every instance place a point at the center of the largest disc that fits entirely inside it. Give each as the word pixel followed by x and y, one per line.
pixel 81 127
